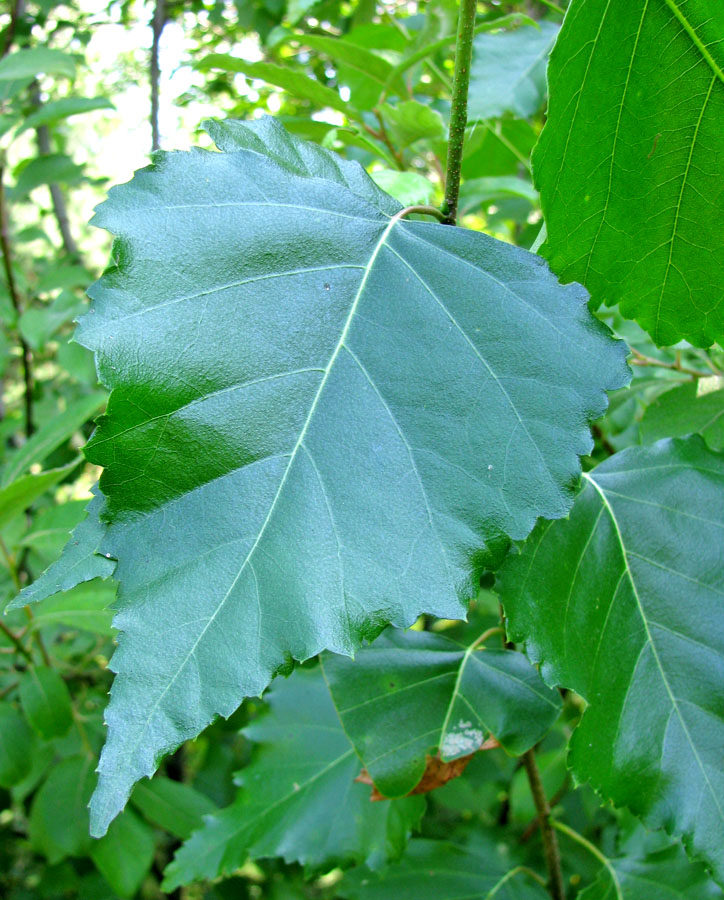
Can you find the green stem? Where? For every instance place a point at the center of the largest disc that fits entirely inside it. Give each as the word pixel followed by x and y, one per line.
pixel 592 849
pixel 459 109
pixel 550 841
pixel 16 642
pixel 421 211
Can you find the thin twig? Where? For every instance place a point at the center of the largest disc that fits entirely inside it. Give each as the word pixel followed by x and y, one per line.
pixel 550 841
pixel 27 356
pixel 159 21
pixel 640 359
pixel 15 641
pixel 592 849
pixel 459 108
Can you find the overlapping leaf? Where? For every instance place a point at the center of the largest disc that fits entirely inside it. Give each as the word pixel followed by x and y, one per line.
pixel 628 163
pixel 664 875
pixel 622 603
pixel 332 420
pixel 298 798
pixel 508 72
pixel 438 870
pixel 413 694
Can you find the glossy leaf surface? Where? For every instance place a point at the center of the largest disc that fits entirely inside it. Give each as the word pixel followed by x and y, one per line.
pixel 622 603
pixel 682 410
pixel 396 404
pixel 298 797
pixel 628 162
pixel 413 694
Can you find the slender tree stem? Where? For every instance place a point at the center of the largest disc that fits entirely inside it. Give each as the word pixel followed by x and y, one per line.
pixel 640 359
pixel 15 641
pixel 459 110
pixel 550 841
pixel 27 356
pixel 159 20
pixel 60 209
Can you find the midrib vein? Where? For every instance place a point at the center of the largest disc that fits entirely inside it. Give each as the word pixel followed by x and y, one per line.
pixel 695 39
pixel 350 316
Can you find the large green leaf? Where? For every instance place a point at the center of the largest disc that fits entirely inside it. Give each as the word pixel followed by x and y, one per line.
pixel 622 603
pixel 438 870
pixel 628 163
pixel 413 694
pixel 172 805
pixel 400 397
pixel 665 875
pixel 59 814
pixel 298 798
pixel 508 71
pixel 124 855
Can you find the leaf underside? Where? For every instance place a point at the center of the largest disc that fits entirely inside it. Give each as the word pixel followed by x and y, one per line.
pixel 622 603
pixel 323 419
pixel 629 162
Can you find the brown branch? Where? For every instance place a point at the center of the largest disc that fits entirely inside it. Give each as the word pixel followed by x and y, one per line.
pixel 550 839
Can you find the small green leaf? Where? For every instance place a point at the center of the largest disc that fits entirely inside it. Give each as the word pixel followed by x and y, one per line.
pixel 172 805
pixel 408 188
pixel 86 607
pixel 36 61
pixel 63 109
pixel 297 84
pixel 125 854
pixel 39 323
pixel 56 431
pixel 508 72
pixel 46 702
pixel 16 746
pixel 78 563
pixel 411 121
pixel 298 798
pixel 17 496
pixel 681 411
pixel 413 694
pixel 59 814
pixel 621 602
pixel 55 168
pixel 438 870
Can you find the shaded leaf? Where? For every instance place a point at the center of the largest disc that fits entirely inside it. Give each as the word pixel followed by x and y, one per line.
pixel 408 188
pixel 665 875
pixel 78 563
pixel 438 870
pixel 411 121
pixel 17 496
pixel 55 168
pixel 172 805
pixel 16 746
pixel 45 700
pixel 52 434
pixel 59 814
pixel 622 603
pixel 630 187
pixel 125 854
pixel 298 797
pixel 508 72
pixel 413 694
pixel 681 411
pixel 63 109
pixel 320 427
